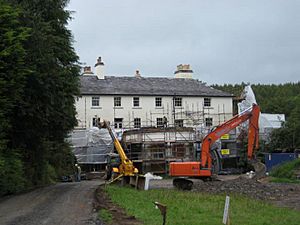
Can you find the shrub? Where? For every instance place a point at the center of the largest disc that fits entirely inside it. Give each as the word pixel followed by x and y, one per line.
pixel 11 173
pixel 286 170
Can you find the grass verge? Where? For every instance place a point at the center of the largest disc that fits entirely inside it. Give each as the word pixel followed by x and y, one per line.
pixel 286 172
pixel 191 208
pixel 284 180
pixel 105 216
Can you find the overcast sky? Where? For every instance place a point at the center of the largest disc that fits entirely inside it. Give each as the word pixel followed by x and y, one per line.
pixel 224 41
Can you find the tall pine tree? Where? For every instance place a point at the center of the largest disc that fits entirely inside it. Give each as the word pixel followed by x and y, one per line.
pixel 13 75
pixel 46 112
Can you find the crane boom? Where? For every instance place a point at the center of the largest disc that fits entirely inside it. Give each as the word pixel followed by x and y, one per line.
pixel 126 167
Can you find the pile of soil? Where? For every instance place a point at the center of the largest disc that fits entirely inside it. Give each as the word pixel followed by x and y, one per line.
pixel 119 216
pixel 282 194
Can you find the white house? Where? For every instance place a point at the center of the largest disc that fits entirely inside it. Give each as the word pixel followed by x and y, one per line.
pixel 137 101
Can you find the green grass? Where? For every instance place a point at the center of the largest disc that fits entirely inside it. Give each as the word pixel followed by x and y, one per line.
pixel 286 172
pixel 190 208
pixel 105 216
pixel 284 180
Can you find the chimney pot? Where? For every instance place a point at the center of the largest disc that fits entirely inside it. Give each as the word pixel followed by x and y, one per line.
pixel 99 62
pixel 184 71
pixel 87 70
pixel 137 74
pixel 99 67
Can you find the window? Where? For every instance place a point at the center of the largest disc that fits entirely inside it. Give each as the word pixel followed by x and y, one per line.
pixel 118 122
pixel 158 102
pixel 159 122
pixel 96 122
pixel 178 123
pixel 208 122
pixel 117 101
pixel 207 102
pixel 178 150
pixel 137 122
pixel 136 101
pixel 95 101
pixel 178 102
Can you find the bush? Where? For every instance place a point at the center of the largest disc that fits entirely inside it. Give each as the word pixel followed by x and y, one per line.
pixel 11 173
pixel 50 175
pixel 286 170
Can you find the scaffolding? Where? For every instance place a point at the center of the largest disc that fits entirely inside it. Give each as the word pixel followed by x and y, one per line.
pixel 151 149
pixel 152 146
pixel 191 116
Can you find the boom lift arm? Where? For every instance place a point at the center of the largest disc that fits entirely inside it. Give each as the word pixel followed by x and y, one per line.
pixel 126 167
pixel 204 167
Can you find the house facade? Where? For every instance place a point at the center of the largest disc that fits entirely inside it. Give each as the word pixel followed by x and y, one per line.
pixel 135 101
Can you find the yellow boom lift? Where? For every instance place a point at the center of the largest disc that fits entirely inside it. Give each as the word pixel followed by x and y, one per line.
pixel 125 169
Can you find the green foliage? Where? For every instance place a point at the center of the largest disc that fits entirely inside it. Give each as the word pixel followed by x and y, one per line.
pixel 12 80
pixel 11 173
pixel 38 82
pixel 105 216
pixel 188 208
pixel 286 170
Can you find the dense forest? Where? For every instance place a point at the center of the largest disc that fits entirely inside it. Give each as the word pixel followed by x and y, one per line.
pixel 38 81
pixel 282 99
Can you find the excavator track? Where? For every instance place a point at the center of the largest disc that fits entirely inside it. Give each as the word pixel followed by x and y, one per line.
pixel 183 184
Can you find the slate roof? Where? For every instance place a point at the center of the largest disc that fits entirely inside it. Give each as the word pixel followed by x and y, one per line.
pixel 146 86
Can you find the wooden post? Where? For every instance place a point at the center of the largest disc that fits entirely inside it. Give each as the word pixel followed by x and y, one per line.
pixel 226 219
pixel 163 210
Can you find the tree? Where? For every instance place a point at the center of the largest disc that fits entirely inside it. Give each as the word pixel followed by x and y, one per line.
pixel 12 80
pixel 47 109
pixel 39 80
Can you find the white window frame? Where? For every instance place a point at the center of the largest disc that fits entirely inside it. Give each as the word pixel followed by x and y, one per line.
pixel 96 122
pixel 117 101
pixel 207 102
pixel 158 100
pixel 159 122
pixel 137 123
pixel 136 100
pixel 118 123
pixel 95 99
pixel 179 123
pixel 208 122
pixel 178 101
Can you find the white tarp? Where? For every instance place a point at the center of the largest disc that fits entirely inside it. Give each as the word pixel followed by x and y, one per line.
pixel 267 122
pixel 91 146
pixel 249 97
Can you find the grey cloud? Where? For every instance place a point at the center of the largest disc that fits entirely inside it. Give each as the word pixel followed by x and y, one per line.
pixel 224 41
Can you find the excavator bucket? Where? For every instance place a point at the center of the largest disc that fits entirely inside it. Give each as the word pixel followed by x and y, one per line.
pixel 259 169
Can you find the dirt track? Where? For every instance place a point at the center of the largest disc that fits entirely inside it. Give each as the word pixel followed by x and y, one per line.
pixel 63 203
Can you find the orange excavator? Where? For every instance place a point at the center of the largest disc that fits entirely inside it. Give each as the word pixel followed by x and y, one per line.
pixel 203 168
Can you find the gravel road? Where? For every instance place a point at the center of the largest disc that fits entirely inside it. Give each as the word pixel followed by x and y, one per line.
pixel 63 203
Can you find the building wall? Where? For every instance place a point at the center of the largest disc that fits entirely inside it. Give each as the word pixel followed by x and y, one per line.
pixel 192 112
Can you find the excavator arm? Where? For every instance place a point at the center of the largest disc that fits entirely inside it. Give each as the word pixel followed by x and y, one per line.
pixel 203 169
pixel 252 114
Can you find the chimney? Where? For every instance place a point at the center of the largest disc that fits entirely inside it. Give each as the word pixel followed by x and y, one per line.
pixel 184 71
pixel 87 70
pixel 99 67
pixel 137 74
